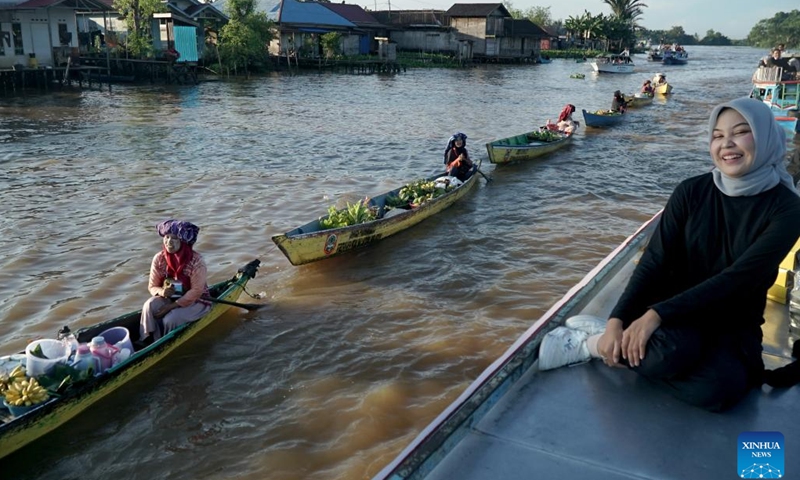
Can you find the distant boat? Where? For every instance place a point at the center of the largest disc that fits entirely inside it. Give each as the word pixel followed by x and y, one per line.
pixel 526 146
pixel 602 118
pixel 612 63
pixel 781 92
pixel 675 58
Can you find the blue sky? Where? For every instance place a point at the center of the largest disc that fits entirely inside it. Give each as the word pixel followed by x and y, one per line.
pixel 732 18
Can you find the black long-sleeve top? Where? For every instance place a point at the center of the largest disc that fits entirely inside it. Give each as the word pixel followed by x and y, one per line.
pixel 712 257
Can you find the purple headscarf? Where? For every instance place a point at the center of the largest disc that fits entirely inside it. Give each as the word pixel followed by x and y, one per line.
pixel 185 231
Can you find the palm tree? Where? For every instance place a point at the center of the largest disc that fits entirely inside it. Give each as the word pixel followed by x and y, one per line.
pixel 626 9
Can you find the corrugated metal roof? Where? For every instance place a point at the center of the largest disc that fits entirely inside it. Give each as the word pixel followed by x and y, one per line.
pixel 73 4
pixel 307 13
pixel 195 10
pixel 409 17
pixel 524 27
pixel 476 9
pixel 353 13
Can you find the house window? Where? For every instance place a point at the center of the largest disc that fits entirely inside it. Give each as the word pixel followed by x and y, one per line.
pixel 4 37
pixel 64 35
pixel 16 34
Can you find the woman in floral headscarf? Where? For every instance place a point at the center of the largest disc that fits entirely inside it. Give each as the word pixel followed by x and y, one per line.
pixel 177 282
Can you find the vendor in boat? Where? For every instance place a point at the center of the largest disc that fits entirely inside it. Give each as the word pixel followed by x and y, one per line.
pixel 647 88
pixel 177 282
pixel 456 159
pixel 565 123
pixel 659 79
pixel 618 104
pixel 690 317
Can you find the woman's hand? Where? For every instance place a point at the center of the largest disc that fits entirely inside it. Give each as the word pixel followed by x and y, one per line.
pixel 609 344
pixel 635 337
pixel 166 309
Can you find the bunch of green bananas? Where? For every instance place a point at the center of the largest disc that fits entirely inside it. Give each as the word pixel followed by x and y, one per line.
pixel 23 391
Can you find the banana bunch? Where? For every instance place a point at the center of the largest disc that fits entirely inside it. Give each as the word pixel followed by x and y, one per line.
pixel 23 391
pixel 7 380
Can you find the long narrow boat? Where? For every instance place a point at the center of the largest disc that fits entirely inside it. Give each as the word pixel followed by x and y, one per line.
pixel 525 146
pixel 606 119
pixel 311 242
pixel 16 432
pixel 591 421
pixel 639 100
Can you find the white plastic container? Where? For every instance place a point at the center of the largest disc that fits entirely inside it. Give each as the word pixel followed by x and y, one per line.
pixel 55 351
pixel 120 337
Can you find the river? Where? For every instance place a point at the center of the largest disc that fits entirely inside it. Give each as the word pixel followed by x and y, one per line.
pixel 354 355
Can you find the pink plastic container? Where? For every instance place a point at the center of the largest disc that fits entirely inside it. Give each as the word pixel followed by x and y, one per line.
pixel 103 352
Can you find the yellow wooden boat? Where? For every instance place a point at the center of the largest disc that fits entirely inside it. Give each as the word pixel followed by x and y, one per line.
pixel 310 242
pixel 525 146
pixel 16 432
pixel 663 89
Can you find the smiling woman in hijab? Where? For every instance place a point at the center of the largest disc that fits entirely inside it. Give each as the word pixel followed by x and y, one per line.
pixel 177 282
pixel 690 317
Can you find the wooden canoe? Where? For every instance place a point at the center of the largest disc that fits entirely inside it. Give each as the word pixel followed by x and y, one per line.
pixel 310 242
pixel 638 100
pixel 16 432
pixel 523 147
pixel 586 421
pixel 592 119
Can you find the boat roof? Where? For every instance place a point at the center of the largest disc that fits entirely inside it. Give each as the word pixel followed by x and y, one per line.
pixel 591 421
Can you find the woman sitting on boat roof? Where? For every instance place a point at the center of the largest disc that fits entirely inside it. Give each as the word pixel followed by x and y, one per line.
pixel 456 158
pixel 690 317
pixel 659 79
pixel 177 270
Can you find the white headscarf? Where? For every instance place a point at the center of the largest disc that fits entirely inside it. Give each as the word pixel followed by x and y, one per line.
pixel 769 168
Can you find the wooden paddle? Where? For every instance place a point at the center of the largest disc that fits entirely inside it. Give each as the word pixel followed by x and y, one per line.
pixel 246 306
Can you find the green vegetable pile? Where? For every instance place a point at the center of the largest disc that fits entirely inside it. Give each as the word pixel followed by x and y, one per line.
pixel 353 214
pixel 544 136
pixel 417 193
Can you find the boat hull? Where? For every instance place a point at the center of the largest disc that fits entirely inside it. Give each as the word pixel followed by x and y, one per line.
pixel 516 148
pixel 611 68
pixel 308 244
pixel 663 89
pixel 594 120
pixel 638 100
pixel 25 429
pixel 674 61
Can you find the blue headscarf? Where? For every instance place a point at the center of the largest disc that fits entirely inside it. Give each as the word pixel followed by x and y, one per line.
pixel 185 231
pixel 769 168
pixel 452 142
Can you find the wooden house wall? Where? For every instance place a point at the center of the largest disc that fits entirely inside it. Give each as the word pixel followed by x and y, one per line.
pixel 425 40
pixel 40 34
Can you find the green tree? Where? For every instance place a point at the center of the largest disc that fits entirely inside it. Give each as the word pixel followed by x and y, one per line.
pixel 539 15
pixel 331 43
pixel 715 38
pixel 781 28
pixel 244 40
pixel 138 15
pixel 626 9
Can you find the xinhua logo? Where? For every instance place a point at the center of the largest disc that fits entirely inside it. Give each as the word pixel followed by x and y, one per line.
pixel 760 455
